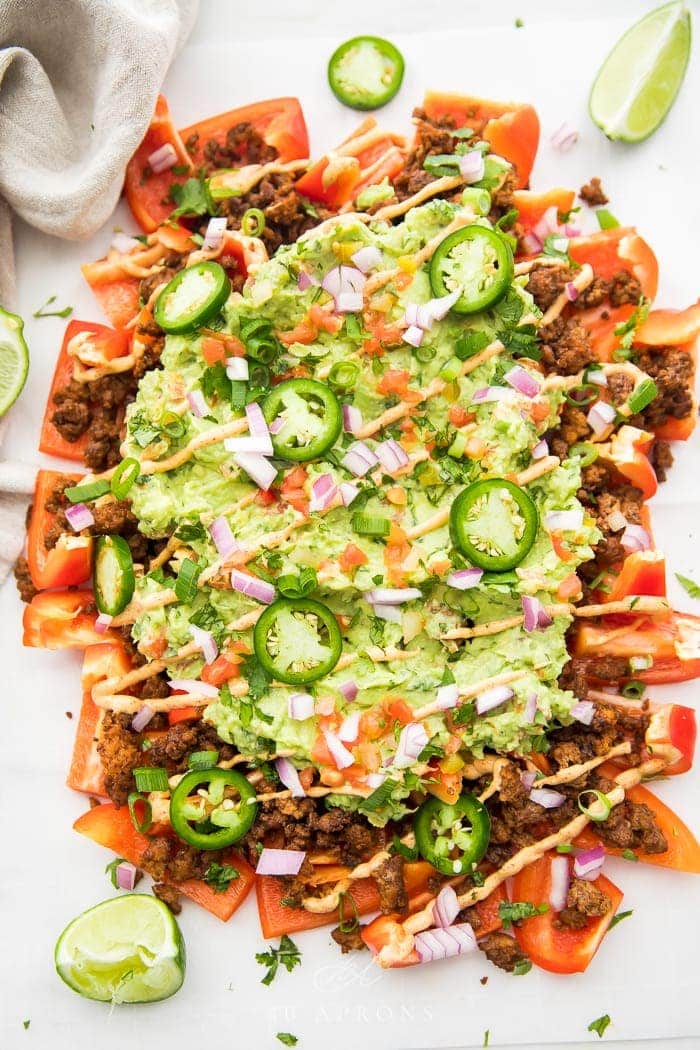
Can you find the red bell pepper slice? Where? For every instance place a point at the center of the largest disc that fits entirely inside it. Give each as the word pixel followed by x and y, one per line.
pixel 532 206
pixel 371 155
pixel 67 564
pixel 553 948
pixel 679 329
pixel 280 121
pixel 673 642
pixel 61 620
pixel 627 451
pixel 643 572
pixel 512 128
pixel 113 828
pixel 184 714
pixel 674 724
pixel 112 344
pixel 145 192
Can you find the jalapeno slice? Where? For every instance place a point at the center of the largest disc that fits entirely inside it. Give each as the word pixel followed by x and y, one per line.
pixel 212 808
pixel 365 72
pixel 494 524
pixel 192 297
pixel 311 418
pixel 453 838
pixel 476 260
pixel 114 575
pixel 297 640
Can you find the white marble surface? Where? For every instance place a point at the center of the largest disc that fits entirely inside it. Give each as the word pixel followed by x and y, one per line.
pixel 646 976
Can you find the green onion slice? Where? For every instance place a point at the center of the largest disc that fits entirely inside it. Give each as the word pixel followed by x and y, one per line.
pixel 151 778
pixel 589 811
pixel 142 824
pixel 124 477
pixel 643 395
pixel 633 690
pixel 186 582
pixel 203 759
pixel 253 222
pixel 370 525
pixel 85 493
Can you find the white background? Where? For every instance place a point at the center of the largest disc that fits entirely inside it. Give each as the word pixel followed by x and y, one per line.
pixel 646 974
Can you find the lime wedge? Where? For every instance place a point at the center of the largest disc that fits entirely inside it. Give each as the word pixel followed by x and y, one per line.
pixel 125 950
pixel 640 78
pixel 14 359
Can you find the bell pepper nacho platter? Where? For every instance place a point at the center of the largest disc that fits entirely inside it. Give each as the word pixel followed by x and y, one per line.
pixel 352 557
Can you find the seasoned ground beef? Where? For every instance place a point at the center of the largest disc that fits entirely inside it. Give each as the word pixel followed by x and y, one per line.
pixel 502 951
pixel 566 346
pixel 120 752
pixel 611 725
pixel 431 138
pixel 584 901
pixel 171 265
pixel 168 858
pixel 23 579
pixel 607 668
pixel 573 428
pixel 180 741
pixel 168 895
pixel 672 371
pixel 520 823
pixel 390 886
pixel 573 677
pixel 155 687
pixel 350 941
pixel 287 213
pixel 511 786
pixel 661 459
pixel 545 283
pixel 631 825
pixel 242 145
pixel 592 193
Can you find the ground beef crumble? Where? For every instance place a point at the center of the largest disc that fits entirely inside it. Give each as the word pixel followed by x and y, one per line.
pixel 592 193
pixel 502 951
pixel 584 901
pixel 349 940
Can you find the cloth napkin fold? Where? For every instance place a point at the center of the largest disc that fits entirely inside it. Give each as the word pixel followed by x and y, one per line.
pixel 78 85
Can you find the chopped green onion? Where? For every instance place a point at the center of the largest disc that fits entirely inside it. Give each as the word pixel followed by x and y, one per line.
pixel 458 446
pixel 203 759
pixel 633 690
pixel 587 399
pixel 451 370
pixel 301 585
pixel 86 493
pixel 478 200
pixel 643 395
pixel 441 164
pixel 141 825
pixel 565 847
pixel 186 582
pixel 424 354
pixel 253 222
pixel 606 219
pixel 124 477
pixel 623 353
pixel 370 525
pixel 589 812
pixel 347 925
pixel 343 376
pixel 587 453
pixel 629 854
pixel 151 778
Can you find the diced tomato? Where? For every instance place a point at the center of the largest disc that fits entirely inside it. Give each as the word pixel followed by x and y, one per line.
pixel 559 949
pixel 512 128
pixel 213 350
pixel 324 321
pixel 184 714
pixel 673 643
pixel 370 156
pixel 351 558
pixel 293 491
pixel 113 828
pixel 113 344
pixel 560 549
pixel 223 669
pixel 446 786
pixel 61 620
pixel 643 572
pixel 459 416
pixel 400 711
pixel 570 587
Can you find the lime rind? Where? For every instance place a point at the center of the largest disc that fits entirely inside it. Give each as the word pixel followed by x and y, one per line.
pixel 14 359
pixel 128 949
pixel 640 79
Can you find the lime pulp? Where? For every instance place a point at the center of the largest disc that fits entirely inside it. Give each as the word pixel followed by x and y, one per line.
pixel 14 359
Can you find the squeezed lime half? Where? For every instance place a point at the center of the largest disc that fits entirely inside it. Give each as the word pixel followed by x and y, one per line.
pixel 14 359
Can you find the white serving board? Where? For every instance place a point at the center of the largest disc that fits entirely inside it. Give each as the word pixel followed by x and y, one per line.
pixel 645 976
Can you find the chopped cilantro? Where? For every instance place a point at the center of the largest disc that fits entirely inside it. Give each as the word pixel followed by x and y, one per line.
pixel 189 532
pixel 43 312
pixel 220 876
pixel 599 1025
pixel 521 967
pixel 258 678
pixel 521 341
pixel 192 198
pixel 629 854
pixel 487 1036
pixel 26 1024
pixel 208 619
pixel 627 330
pixel 619 917
pixel 689 586
pixel 287 954
pixel 142 430
pixel 518 25
pixel 111 870
pixel 287 1038
pixel 556 246
pixel 510 912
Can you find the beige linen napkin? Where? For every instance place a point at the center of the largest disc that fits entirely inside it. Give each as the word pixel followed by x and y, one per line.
pixel 78 84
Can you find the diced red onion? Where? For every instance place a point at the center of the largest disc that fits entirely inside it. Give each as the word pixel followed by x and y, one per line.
pixel 280 861
pixel 124 244
pixel 367 258
pixel 305 281
pixel 249 444
pixel 341 756
pixel 390 613
pixel 257 424
pixel 205 641
pixel 349 690
pixel 547 798
pixel 565 137
pixel 214 234
pixel 572 231
pixel 323 492
pixel 566 520
pixel 440 943
pixel 413 335
pixel 258 469
pixel 571 291
pixel 522 381
pixel 598 377
pixel 79 517
pixel 252 587
pixel 640 663
pixel 447 697
pixel 349 303
pixel 300 706
pixel 532 243
pixel 359 458
pixel 276 425
pixel 528 778
pixel 489 393
pixel 126 874
pixel 540 450
pixel 392 595
pixel 471 166
pixel 446 907
pixel 141 719
pixel 287 773
pixel 103 622
pixel 559 882
pixel 193 686
pixel 348 492
pixel 237 369
pixel 412 739
pixel 439 308
pixel 391 455
pixel 195 399
pixel 530 709
pixel 375 780
pixel 343 279
pixel 635 538
pixel 465 579
pixel 491 698
pixel 535 615
pixel 588 863
pixel 583 711
pixel 560 244
pixel 162 159
pixel 411 314
pixel 350 728
pixel 600 416
pixel 549 223
pixel 352 419
pixel 220 532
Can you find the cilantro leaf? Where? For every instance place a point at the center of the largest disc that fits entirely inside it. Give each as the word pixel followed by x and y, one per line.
pixel 220 876
pixel 43 312
pixel 208 619
pixel 111 870
pixel 510 912
pixel 287 954
pixel 258 678
pixel 689 586
pixel 521 967
pixel 192 198
pixel 287 1038
pixel 599 1025
pixel 191 531
pixel 619 917
pixel 627 330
